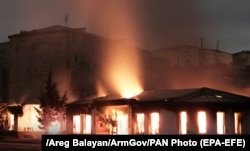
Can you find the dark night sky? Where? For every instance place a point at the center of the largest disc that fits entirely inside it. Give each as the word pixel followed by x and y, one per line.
pixel 154 23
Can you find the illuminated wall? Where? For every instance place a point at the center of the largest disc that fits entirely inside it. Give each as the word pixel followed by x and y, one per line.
pixel 28 121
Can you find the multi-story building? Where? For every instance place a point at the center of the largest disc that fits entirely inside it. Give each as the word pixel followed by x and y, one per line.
pixel 191 56
pixel 76 58
pixel 69 53
pixel 213 57
pixel 189 66
pixel 180 56
pixel 242 58
pixel 4 72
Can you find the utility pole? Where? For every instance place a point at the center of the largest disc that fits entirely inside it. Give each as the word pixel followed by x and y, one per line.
pixel 66 19
pixel 201 40
pixel 67 77
pixel 218 44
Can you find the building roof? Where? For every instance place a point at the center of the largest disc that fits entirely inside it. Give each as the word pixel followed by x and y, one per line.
pixel 194 95
pixel 47 30
pixel 157 95
pixel 189 47
pixel 94 98
pixel 242 52
pixel 84 101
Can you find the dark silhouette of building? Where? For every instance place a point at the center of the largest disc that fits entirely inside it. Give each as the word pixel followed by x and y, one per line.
pixel 4 72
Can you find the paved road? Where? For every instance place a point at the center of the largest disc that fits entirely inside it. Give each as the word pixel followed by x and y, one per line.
pixel 20 145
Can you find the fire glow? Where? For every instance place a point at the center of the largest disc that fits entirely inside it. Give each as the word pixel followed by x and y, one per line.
pixel 122 70
pixel 120 60
pixel 28 121
pixel 122 121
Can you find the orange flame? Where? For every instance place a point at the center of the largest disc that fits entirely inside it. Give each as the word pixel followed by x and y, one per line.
pixel 123 71
pixel 116 20
pixel 100 89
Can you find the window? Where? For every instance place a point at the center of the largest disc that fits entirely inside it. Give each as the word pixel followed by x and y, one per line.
pixel 11 122
pixel 140 123
pixel 238 122
pixel 76 124
pixel 87 128
pixel 154 123
pixel 122 124
pixel 183 122
pixel 202 124
pixel 112 120
pixel 220 122
pixel 82 124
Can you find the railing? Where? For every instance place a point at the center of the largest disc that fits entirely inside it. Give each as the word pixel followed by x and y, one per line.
pixel 29 129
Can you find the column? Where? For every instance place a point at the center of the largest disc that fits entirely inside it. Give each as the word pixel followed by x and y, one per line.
pixel 146 123
pixel 15 122
pixel 211 122
pixel 130 126
pixel 93 119
pixel 69 124
pixel 192 122
pixel 229 122
pixel 246 124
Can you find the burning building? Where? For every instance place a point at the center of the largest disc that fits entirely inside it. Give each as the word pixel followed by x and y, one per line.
pixel 86 64
pixel 179 111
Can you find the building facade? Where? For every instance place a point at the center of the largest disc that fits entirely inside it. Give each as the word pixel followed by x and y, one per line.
pixel 191 56
pixel 57 48
pixel 75 57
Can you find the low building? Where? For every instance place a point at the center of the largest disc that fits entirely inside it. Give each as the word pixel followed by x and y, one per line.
pixel 180 111
pixel 22 121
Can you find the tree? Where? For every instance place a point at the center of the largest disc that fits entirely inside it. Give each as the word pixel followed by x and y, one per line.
pixel 3 115
pixel 52 109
